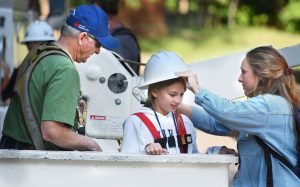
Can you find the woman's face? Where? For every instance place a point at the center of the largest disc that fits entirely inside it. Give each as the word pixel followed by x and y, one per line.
pixel 168 98
pixel 247 78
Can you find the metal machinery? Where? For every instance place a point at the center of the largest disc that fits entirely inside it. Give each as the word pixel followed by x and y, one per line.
pixel 111 92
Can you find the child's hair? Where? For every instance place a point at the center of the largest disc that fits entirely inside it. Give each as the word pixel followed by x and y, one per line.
pixel 159 85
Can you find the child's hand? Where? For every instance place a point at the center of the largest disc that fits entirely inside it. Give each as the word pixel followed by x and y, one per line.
pixel 155 149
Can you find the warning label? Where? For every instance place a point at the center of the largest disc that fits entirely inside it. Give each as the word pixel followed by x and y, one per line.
pixel 95 117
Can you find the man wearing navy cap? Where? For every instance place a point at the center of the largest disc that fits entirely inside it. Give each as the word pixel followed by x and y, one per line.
pixel 41 114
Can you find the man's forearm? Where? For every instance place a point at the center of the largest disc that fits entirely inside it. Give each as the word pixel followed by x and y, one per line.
pixel 63 136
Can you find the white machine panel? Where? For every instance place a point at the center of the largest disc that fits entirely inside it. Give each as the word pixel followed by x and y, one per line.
pixel 111 94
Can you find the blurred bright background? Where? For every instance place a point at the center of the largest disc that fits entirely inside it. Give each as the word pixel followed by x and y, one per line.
pixel 203 29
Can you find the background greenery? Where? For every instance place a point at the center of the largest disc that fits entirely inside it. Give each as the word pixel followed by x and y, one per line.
pixel 202 29
pixel 195 45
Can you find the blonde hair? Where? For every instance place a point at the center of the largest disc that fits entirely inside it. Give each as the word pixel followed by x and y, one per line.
pixel 273 74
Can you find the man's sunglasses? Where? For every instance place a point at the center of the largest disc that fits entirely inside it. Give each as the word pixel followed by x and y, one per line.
pixel 98 44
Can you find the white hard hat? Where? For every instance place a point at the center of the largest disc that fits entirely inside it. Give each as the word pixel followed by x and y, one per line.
pixel 162 66
pixel 38 31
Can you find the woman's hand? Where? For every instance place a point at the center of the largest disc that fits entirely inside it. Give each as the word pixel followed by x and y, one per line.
pixel 225 151
pixel 222 150
pixel 192 80
pixel 155 149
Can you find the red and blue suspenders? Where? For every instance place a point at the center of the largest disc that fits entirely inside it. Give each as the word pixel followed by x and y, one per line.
pixel 183 139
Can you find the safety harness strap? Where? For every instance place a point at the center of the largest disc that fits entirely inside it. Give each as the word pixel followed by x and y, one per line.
pixel 181 127
pixel 21 88
pixel 149 125
pixel 182 138
pixel 182 135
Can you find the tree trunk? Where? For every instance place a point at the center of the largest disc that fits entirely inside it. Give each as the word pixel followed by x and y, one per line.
pixel 233 4
pixel 148 20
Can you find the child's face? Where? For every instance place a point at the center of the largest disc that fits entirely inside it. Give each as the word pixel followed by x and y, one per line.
pixel 168 98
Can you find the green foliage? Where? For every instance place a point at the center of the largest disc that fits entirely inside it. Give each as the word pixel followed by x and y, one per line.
pixel 290 16
pixel 75 3
pixel 212 9
pixel 263 12
pixel 261 19
pixel 243 15
pixel 282 14
pixel 171 5
pixel 133 4
pixel 195 45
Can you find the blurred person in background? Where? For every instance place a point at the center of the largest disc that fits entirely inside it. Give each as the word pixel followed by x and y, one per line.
pixel 52 11
pixel 36 32
pixel 129 47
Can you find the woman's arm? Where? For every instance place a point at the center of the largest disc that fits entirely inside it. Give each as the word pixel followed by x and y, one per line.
pixel 202 120
pixel 249 116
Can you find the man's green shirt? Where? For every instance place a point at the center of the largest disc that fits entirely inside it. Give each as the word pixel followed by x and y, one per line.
pixel 54 91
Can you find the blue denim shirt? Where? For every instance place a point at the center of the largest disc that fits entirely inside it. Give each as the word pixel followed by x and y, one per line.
pixel 267 116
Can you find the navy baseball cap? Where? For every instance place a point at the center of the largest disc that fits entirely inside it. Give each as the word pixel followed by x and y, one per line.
pixel 93 20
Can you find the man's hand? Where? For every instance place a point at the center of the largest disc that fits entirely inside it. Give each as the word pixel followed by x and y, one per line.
pixel 63 136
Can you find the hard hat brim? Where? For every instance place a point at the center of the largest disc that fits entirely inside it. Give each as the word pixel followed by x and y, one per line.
pixel 145 85
pixel 37 39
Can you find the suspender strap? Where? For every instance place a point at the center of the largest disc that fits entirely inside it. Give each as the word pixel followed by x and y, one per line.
pixel 22 88
pixel 181 134
pixel 180 124
pixel 149 125
pixel 152 129
pixel 267 154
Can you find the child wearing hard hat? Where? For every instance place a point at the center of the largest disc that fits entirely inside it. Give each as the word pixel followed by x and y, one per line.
pixel 157 128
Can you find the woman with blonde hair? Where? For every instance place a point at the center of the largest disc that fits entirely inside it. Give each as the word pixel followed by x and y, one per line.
pixel 267 135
